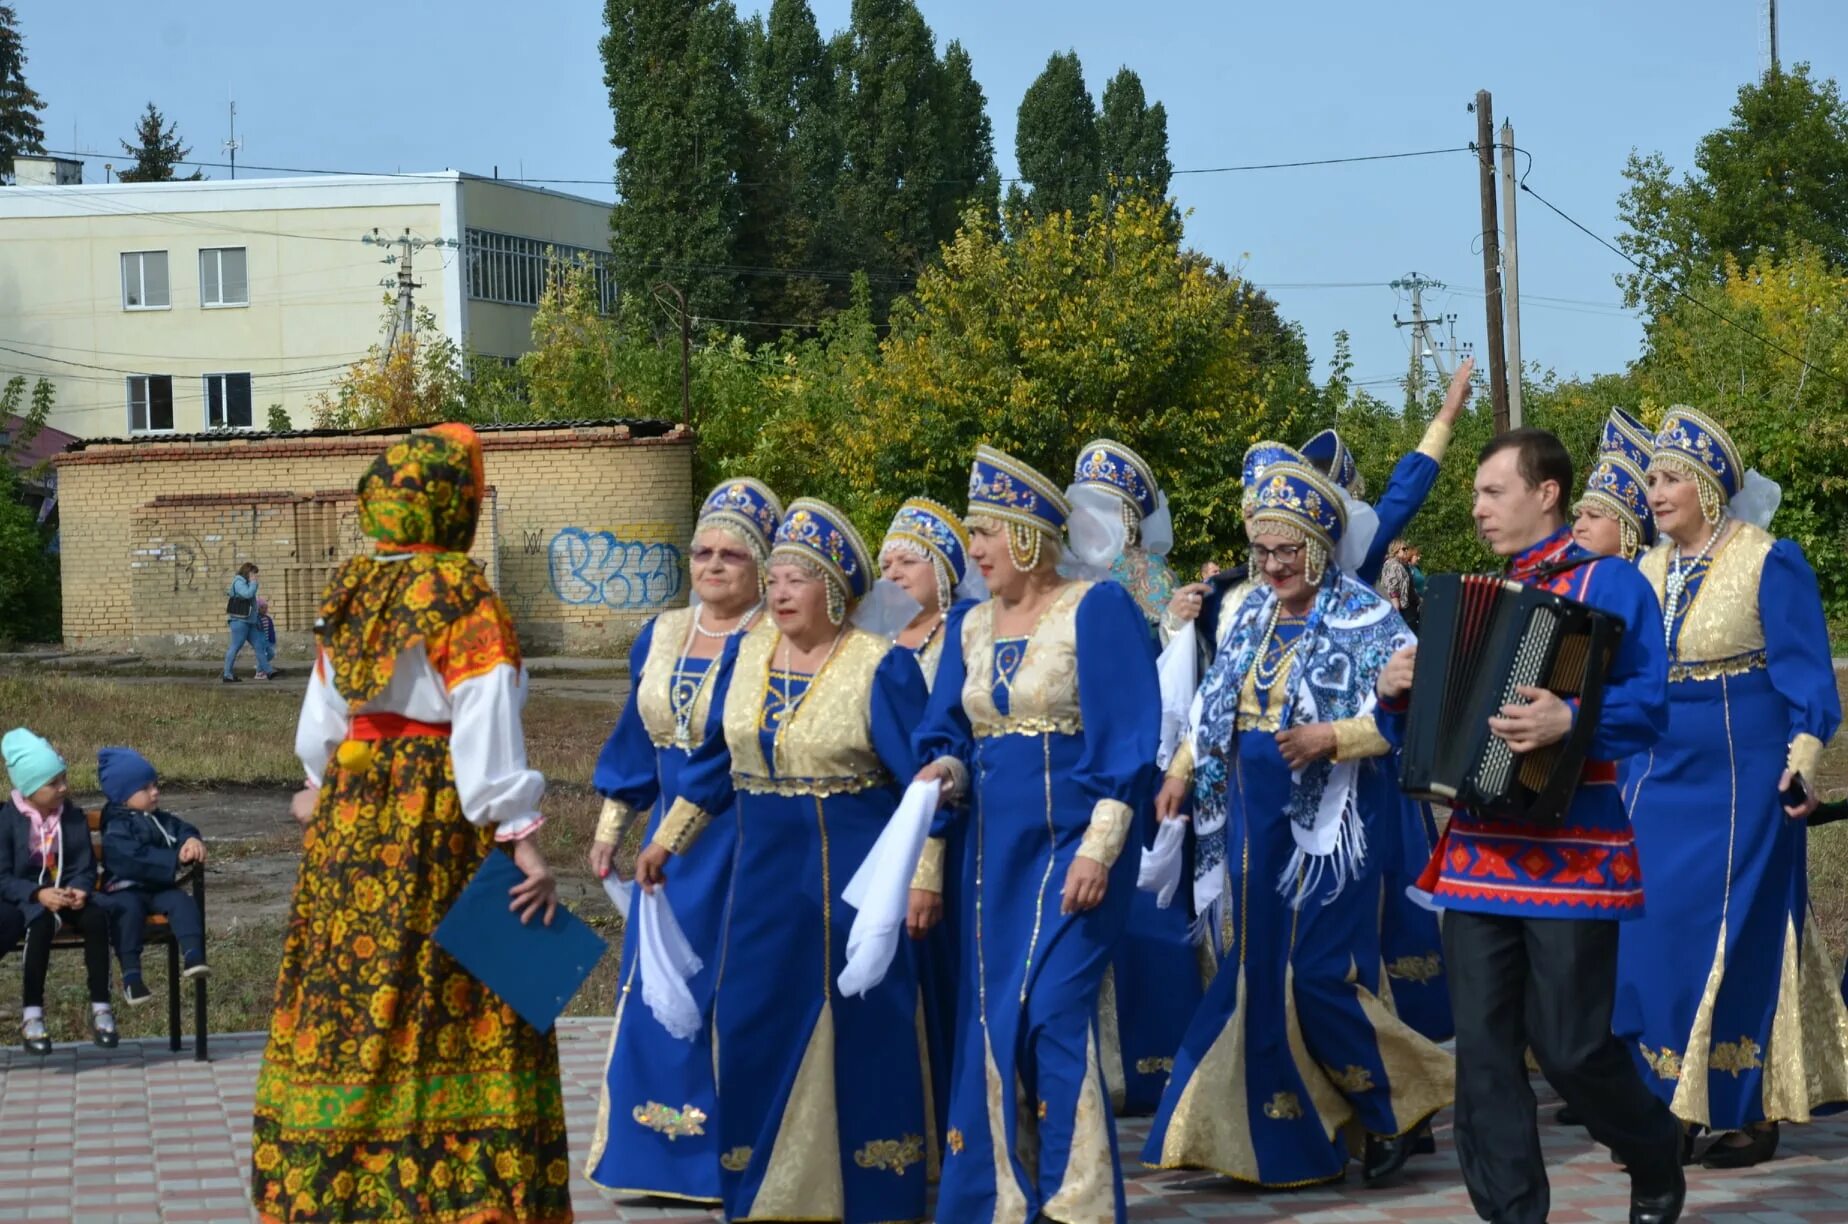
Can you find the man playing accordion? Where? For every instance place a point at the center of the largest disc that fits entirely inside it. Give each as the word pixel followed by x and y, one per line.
pixel 1529 932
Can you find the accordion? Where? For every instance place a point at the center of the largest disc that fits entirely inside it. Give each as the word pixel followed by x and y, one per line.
pixel 1482 638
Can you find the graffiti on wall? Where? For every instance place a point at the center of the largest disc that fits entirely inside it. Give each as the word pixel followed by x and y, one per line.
pixel 599 569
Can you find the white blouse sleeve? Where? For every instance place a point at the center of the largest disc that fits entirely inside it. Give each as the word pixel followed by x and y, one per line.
pixel 488 744
pixel 323 722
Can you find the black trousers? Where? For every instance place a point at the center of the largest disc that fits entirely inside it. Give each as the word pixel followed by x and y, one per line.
pixel 129 910
pixel 1545 984
pixel 12 927
pixel 93 922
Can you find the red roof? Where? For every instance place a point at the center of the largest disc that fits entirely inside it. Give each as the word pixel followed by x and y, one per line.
pixel 49 442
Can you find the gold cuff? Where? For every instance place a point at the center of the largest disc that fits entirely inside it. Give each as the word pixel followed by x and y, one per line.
pixel 959 776
pixel 1436 440
pixel 1805 755
pixel 1182 766
pixel 1109 828
pixel 929 875
pixel 1356 739
pixel 681 827
pixel 614 821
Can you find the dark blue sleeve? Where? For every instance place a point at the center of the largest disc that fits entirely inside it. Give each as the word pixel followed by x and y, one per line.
pixel 1797 642
pixel 134 856
pixel 706 779
pixel 14 887
pixel 1635 710
pixel 626 769
pixel 1119 696
pixel 898 701
pixel 1406 489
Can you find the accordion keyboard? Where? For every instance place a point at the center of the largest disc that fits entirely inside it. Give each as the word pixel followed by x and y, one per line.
pixel 1498 758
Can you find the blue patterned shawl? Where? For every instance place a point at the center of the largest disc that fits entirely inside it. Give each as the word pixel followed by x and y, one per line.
pixel 1350 634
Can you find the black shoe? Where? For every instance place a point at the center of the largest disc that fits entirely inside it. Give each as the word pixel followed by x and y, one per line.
pixel 135 991
pixel 1384 1158
pixel 1565 1117
pixel 231 679
pixel 1424 1143
pixel 1659 1208
pixel 103 1030
pixel 1760 1146
pixel 34 1037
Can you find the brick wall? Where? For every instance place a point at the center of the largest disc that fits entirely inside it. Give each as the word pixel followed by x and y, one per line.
pixel 583 533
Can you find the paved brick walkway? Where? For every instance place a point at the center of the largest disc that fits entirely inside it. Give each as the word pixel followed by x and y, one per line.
pixel 77 1145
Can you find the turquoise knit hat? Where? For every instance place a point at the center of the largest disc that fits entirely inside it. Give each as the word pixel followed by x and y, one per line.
pixel 30 761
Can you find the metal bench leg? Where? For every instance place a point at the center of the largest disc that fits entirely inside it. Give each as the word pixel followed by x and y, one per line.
pixel 173 996
pixel 199 1054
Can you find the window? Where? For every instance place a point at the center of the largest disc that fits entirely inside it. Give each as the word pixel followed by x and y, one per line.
pixel 227 401
pixel 150 403
pixel 221 277
pixel 144 280
pixel 515 271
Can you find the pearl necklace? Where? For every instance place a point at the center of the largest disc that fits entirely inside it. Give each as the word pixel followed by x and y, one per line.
pixel 683 710
pixel 1268 676
pixel 744 622
pixel 1676 584
pixel 790 706
pixel 930 637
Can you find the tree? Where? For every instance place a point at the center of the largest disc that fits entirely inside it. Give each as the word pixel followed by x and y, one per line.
pixel 156 150
pixel 418 380
pixel 586 365
pixel 1770 179
pixel 1056 140
pixel 681 130
pixel 29 592
pixel 1133 137
pixel 20 129
pixel 971 180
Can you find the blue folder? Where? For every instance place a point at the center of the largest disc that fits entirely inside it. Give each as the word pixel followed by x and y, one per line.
pixel 534 968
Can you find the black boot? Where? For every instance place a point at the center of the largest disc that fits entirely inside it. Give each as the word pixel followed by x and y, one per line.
pixel 1760 1146
pixel 1384 1158
pixel 1661 1206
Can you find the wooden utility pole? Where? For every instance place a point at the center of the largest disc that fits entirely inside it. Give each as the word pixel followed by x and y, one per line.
pixel 1512 288
pixel 1491 259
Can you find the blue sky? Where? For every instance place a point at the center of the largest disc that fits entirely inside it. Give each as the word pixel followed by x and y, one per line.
pixel 475 84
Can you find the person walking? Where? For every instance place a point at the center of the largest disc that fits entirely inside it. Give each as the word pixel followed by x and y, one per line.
pixel 244 621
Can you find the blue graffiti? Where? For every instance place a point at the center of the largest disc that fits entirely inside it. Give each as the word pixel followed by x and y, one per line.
pixel 594 568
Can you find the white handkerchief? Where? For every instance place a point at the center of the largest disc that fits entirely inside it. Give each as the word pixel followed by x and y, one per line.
pixel 880 891
pixel 1178 671
pixel 1160 869
pixel 619 891
pixel 668 963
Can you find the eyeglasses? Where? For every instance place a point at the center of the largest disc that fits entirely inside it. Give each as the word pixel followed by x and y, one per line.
pixel 1287 554
pixel 730 556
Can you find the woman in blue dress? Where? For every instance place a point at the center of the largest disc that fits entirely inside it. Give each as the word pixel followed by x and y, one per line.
pixel 1725 989
pixel 1043 724
pixel 1155 980
pixel 1291 1046
pixel 821 1098
pixel 657 1089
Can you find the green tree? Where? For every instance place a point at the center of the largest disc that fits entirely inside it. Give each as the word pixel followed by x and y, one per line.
pixel 1133 137
pixel 673 71
pixel 970 178
pixel 1056 141
pixel 587 365
pixel 418 379
pixel 156 150
pixel 1770 179
pixel 20 129
pixel 29 592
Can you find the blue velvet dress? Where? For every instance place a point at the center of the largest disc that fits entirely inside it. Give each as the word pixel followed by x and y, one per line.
pixel 655 1134
pixel 1293 1041
pixel 822 1113
pixel 1726 993
pixel 1056 734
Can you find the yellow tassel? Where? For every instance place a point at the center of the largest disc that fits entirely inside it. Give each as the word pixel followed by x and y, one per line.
pixel 354 756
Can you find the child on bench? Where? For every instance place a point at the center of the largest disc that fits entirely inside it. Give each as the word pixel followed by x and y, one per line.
pixel 143 850
pixel 48 871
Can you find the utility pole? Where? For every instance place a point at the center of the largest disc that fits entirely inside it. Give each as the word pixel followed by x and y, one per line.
pixel 1491 258
pixel 1423 347
pixel 1767 33
pixel 404 318
pixel 233 144
pixel 1511 264
pixel 686 348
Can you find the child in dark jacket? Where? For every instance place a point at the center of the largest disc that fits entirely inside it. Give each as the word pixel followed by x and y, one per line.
pixel 48 872
pixel 143 850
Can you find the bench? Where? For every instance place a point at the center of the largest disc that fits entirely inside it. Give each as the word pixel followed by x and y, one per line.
pixel 159 934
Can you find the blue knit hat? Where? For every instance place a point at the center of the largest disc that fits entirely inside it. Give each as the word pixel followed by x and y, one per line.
pixel 31 762
pixel 123 771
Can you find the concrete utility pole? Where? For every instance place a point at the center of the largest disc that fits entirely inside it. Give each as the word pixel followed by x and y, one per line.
pixel 1491 258
pixel 404 318
pixel 1511 275
pixel 1768 32
pixel 1423 346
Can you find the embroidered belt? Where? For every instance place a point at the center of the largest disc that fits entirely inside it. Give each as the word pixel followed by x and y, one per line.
pixel 1598 772
pixel 374 727
pixel 853 784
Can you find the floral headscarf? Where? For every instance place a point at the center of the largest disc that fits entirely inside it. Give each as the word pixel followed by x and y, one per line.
pixel 421 501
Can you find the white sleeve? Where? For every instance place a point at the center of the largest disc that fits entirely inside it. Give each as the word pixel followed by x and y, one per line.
pixel 323 723
pixel 488 745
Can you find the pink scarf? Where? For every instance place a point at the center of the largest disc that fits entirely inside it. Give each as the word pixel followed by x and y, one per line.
pixel 47 832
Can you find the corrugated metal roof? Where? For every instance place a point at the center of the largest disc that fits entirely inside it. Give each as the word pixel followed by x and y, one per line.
pixel 639 427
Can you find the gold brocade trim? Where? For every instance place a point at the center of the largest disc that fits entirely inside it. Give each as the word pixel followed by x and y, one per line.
pixel 933 1146
pixel 674 1123
pixel 820 788
pixel 601 1136
pixel 1010 1200
pixel 1421 969
pixel 682 825
pixel 736 1161
pixel 654 687
pixel 1154 1066
pixel 1110 1035
pixel 929 874
pixel 953 1140
pixel 825 746
pixel 1804 755
pixel 1210 1128
pixel 1690 1102
pixel 896 1155
pixel 1735 1057
pixel 1358 739
pixel 1104 837
pixel 802 1179
pixel 1436 440
pixel 1182 766
pixel 1284 1107
pixel 1716 669
pixel 1087 1190
pixel 613 821
pixel 1351 1080
pixel 1664 1062
pixel 1331 1108
pixel 1043 696
pixel 1420 1075
pixel 1041 1113
pixel 1722 622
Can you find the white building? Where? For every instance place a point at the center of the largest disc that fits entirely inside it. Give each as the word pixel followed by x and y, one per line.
pixel 187 306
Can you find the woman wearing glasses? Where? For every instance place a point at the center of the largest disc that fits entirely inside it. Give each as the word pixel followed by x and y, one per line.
pixel 654 1134
pixel 1290 776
